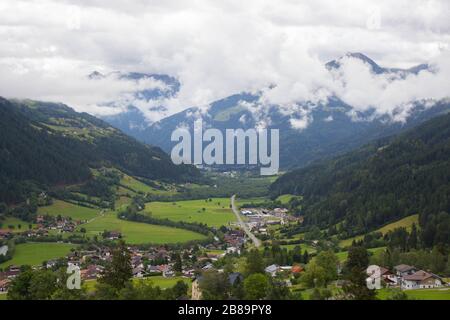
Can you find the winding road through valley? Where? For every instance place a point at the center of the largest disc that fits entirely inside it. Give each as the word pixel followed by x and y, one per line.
pixel 255 240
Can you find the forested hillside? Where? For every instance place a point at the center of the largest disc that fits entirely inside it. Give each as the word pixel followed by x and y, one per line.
pixel 45 144
pixel 379 183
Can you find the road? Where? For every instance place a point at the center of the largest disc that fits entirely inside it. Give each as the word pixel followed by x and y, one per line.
pixel 255 240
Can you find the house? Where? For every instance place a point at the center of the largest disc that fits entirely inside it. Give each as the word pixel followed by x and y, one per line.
pixel 297 269
pixel 13 268
pixel 379 276
pixel 208 266
pixel 231 250
pixel 421 280
pixel 114 235
pixel 272 270
pixel 91 272
pixel 189 273
pixel 9 274
pixel 166 271
pixel 138 272
pixel 153 269
pixel 5 234
pixel 51 264
pixel 136 261
pixel 4 284
pixel 404 270
pixel 73 263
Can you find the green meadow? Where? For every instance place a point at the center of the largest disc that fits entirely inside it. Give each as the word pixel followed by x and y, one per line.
pixel 419 294
pixel 285 198
pixel 159 281
pixel 405 223
pixel 35 253
pixel 342 256
pixel 139 186
pixel 139 233
pixel 16 224
pixel 214 213
pixel 302 246
pixel 67 209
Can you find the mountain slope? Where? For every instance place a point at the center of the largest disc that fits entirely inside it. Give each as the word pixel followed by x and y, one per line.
pixel 381 182
pixel 51 144
pixel 336 64
pixel 132 121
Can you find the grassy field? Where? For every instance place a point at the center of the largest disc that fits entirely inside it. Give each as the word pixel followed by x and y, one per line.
pixel 138 186
pixel 285 198
pixel 342 256
pixel 405 222
pixel 165 283
pixel 2 296
pixel 159 281
pixel 36 253
pixel 12 221
pixel 420 294
pixel 303 247
pixel 217 211
pixel 66 209
pixel 139 233
pixel 256 200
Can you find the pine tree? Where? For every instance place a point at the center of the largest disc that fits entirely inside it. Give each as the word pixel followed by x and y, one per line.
pixel 357 262
pixel 412 240
pixel 119 272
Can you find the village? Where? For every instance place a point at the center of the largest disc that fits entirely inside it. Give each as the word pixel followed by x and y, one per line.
pixel 259 219
pixel 153 261
pixel 191 262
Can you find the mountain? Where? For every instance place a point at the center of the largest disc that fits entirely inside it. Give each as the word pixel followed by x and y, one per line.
pixel 336 64
pixel 132 121
pixel 381 182
pixel 330 131
pixel 47 144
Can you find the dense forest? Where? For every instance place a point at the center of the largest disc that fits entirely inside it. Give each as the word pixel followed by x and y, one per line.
pixel 381 182
pixel 47 144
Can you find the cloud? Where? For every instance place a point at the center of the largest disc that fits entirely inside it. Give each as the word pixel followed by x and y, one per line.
pixel 218 48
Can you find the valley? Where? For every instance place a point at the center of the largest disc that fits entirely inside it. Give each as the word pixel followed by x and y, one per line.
pixel 300 231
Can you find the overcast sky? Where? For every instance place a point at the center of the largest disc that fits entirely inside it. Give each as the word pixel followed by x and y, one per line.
pixel 217 48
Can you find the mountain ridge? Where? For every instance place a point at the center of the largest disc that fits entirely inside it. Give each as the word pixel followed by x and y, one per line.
pixel 381 182
pixel 329 129
pixel 50 144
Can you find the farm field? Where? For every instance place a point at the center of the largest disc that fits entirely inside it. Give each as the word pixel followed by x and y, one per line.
pixel 419 294
pixel 36 253
pixel 15 223
pixel 405 222
pixel 67 209
pixel 241 201
pixel 139 233
pixel 217 211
